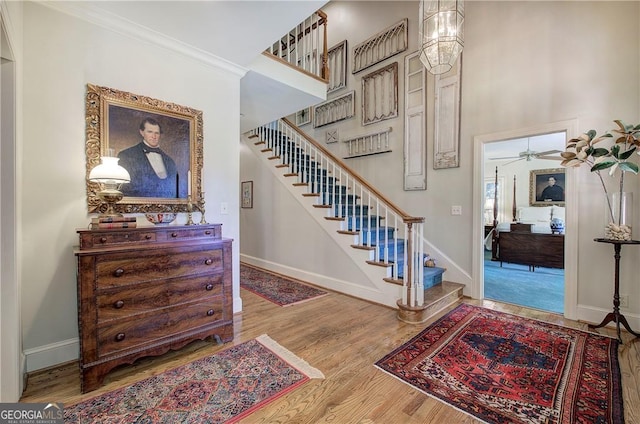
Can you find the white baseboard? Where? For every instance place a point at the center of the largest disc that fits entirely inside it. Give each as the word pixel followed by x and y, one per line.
pixel 370 294
pixel 594 315
pixel 52 354
pixel 237 304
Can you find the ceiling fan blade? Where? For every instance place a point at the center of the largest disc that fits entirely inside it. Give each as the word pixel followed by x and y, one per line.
pixel 507 157
pixel 505 164
pixel 548 152
pixel 550 157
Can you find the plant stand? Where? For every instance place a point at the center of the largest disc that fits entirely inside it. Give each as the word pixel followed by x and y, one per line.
pixel 616 316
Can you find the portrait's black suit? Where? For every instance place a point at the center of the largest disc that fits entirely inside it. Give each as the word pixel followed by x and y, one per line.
pixel 552 193
pixel 144 181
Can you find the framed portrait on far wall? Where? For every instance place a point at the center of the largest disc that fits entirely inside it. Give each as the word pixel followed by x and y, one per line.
pixel 547 187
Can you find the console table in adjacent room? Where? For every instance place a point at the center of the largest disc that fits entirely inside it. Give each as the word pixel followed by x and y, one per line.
pixel 616 316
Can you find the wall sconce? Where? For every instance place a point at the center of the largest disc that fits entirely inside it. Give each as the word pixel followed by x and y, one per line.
pixel 110 176
pixel 441 34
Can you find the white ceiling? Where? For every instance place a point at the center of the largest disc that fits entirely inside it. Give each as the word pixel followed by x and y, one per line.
pixel 235 31
pixel 537 143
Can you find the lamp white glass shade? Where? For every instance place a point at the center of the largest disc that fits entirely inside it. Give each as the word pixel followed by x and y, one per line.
pixel 441 34
pixel 109 172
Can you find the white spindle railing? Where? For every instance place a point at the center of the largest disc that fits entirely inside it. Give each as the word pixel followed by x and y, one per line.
pixel 352 200
pixel 305 46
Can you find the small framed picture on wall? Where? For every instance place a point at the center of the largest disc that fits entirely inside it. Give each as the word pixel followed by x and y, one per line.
pixel 247 194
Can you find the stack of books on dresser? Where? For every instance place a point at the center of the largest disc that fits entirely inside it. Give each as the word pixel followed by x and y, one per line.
pixel 113 222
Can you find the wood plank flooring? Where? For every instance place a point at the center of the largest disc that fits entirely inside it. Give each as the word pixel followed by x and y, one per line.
pixel 342 337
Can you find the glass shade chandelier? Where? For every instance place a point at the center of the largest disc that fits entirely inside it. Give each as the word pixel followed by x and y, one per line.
pixel 441 34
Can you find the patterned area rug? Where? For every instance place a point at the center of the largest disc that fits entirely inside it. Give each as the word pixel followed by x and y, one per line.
pixel 502 368
pixel 222 388
pixel 276 288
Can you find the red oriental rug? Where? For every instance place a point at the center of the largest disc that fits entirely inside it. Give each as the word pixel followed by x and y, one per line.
pixel 502 368
pixel 222 388
pixel 276 288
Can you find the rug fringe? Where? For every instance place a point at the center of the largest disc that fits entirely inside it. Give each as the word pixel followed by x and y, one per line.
pixel 295 361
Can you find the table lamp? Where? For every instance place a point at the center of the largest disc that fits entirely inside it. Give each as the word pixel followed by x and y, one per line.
pixel 110 176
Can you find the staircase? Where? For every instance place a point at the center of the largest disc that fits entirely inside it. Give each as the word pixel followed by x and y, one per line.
pixel 392 238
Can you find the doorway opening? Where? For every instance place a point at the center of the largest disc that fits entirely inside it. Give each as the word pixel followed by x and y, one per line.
pixel 524 221
pixel 524 161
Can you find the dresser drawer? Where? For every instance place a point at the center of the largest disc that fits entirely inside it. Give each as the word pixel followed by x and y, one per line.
pixel 120 269
pixel 141 298
pixel 115 238
pixel 115 336
pixel 101 238
pixel 190 232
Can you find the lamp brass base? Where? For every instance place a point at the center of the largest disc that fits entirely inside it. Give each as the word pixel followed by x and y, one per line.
pixel 110 197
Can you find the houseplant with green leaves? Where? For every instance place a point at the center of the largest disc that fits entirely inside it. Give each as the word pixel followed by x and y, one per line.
pixel 616 157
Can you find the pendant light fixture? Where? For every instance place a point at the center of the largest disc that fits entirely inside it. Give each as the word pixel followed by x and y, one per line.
pixel 441 33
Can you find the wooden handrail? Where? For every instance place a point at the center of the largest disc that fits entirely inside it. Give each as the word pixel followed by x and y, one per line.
pixel 307 73
pixel 406 218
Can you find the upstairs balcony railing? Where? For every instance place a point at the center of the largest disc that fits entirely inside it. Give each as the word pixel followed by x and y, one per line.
pixel 395 237
pixel 305 47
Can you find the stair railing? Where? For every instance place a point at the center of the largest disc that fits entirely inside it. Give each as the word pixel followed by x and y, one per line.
pixel 361 209
pixel 305 47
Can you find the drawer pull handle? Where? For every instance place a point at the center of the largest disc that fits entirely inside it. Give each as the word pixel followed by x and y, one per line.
pixel 118 304
pixel 103 239
pixel 208 262
pixel 118 272
pixel 209 287
pixel 148 236
pixel 174 234
pixel 208 232
pixel 210 312
pixel 119 337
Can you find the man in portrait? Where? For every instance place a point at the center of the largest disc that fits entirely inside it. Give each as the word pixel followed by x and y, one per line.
pixel 552 192
pixel 153 172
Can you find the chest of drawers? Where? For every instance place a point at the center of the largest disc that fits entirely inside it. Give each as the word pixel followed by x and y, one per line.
pixel 144 291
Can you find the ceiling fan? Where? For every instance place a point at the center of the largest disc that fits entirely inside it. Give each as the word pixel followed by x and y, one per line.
pixel 530 154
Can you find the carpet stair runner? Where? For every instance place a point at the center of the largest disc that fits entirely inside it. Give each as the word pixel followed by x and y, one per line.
pixel 347 207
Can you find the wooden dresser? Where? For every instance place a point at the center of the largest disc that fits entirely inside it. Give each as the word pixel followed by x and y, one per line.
pixel 146 290
pixel 521 246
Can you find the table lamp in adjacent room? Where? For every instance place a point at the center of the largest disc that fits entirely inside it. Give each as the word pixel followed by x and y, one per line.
pixel 109 176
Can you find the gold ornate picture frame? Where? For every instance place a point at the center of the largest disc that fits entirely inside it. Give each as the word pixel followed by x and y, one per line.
pixel 547 187
pixel 114 120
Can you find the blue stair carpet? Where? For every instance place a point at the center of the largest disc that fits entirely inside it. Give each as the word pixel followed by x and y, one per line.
pixel 348 206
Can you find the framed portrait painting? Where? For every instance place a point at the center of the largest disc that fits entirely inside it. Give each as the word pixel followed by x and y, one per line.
pixel 158 143
pixel 546 187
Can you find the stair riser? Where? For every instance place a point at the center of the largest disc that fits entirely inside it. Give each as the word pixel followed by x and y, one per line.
pixel 378 236
pixel 357 224
pixel 338 199
pixel 346 211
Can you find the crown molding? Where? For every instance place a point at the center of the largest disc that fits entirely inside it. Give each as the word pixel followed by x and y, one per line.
pixel 118 24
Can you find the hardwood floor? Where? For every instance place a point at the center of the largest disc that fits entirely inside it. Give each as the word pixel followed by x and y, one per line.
pixel 342 337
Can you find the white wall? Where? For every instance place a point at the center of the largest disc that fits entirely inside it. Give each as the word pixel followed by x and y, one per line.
pixel 525 64
pixel 11 382
pixel 62 54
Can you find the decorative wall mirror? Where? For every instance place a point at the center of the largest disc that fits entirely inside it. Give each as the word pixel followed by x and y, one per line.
pixel 161 180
